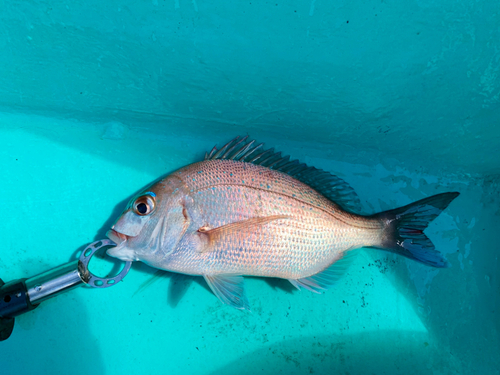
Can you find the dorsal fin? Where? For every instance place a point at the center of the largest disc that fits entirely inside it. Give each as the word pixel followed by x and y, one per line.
pixel 327 184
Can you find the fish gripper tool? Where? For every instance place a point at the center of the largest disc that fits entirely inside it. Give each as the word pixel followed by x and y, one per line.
pixel 20 296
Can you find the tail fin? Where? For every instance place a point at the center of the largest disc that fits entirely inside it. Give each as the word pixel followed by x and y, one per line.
pixel 405 225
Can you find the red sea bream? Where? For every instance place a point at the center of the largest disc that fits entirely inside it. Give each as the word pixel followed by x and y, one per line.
pixel 246 211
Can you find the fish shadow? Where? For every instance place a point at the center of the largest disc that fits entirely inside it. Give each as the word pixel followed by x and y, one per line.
pixel 279 284
pixel 178 285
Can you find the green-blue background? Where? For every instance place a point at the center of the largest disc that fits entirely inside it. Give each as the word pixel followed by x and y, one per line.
pixel 399 98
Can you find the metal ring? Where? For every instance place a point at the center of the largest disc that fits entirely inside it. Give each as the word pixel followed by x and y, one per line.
pixel 88 277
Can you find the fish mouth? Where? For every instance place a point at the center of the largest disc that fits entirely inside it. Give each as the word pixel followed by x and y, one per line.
pixel 117 237
pixel 120 251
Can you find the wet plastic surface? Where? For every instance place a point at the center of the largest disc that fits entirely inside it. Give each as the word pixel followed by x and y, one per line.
pixel 387 313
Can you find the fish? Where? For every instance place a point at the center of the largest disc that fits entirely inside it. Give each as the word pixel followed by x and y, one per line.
pixel 248 211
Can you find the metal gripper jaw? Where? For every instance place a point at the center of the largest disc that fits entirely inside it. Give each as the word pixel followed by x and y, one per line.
pixel 20 296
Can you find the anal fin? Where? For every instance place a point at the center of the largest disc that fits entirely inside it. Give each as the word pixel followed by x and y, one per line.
pixel 325 279
pixel 230 289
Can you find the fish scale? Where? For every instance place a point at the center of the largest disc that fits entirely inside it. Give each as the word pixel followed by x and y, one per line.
pixel 227 191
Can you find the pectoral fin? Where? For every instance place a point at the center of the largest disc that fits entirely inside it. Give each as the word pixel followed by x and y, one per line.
pixel 230 289
pixel 214 235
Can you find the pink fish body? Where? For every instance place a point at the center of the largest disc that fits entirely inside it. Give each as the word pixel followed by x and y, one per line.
pixel 244 211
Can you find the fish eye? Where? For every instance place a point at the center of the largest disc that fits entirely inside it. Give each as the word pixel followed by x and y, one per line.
pixel 144 205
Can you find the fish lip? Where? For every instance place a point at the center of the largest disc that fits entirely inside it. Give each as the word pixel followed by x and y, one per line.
pixel 117 237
